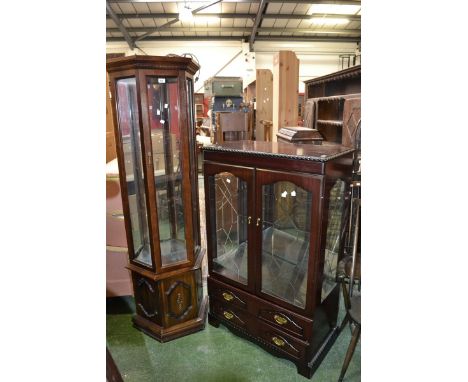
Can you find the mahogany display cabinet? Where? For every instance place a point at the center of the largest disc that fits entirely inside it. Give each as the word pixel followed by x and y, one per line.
pixel 276 215
pixel 155 138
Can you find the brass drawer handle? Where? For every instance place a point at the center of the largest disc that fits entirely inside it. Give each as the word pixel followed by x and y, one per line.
pixel 228 315
pixel 249 219
pixel 228 296
pixel 280 320
pixel 258 222
pixel 278 341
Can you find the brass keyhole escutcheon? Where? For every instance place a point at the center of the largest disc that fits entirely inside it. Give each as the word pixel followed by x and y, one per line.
pixel 228 315
pixel 228 296
pixel 258 222
pixel 280 320
pixel 278 341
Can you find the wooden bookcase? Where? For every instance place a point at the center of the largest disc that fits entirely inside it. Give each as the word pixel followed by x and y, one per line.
pixel 326 107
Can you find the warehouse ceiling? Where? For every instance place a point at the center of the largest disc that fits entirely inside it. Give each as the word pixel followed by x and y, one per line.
pixel 249 20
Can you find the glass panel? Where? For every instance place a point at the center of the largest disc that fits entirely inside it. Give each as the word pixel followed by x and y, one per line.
pixel 193 165
pixel 163 111
pixel 127 110
pixel 230 195
pixel 332 247
pixel 285 241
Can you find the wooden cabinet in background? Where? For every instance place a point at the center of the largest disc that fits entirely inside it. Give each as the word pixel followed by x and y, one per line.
pixel 264 104
pixel 276 214
pixel 327 98
pixel 347 81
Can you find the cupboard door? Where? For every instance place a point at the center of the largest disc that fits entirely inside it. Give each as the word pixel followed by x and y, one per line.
pixel 287 234
pixel 229 207
pixel 163 107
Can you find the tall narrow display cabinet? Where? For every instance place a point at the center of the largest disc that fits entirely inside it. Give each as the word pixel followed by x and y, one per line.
pixel 276 216
pixel 154 130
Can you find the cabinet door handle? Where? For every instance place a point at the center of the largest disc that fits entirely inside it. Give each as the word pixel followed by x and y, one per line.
pixel 249 219
pixel 228 315
pixel 258 222
pixel 278 341
pixel 228 296
pixel 280 320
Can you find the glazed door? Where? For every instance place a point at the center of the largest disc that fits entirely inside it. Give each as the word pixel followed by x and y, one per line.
pixel 286 234
pixel 229 218
pixel 165 125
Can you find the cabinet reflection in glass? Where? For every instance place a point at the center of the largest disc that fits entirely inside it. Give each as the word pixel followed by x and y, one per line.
pixel 163 111
pixel 285 241
pixel 332 248
pixel 127 111
pixel 230 195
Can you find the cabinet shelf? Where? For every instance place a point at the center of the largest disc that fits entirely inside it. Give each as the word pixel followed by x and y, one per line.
pixel 329 122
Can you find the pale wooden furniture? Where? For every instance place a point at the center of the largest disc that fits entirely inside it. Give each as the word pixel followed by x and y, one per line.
pixel 285 90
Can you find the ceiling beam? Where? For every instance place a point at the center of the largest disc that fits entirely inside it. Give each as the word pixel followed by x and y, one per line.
pixel 243 29
pixel 310 38
pixel 245 38
pixel 143 16
pixel 121 27
pixel 169 23
pixel 258 20
pixel 344 2
pixel 184 38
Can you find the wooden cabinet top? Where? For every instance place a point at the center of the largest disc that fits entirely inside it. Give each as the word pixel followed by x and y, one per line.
pixel 317 153
pixel 151 62
pixel 354 71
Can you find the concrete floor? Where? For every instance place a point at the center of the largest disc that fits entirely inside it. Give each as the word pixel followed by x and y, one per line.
pixel 211 355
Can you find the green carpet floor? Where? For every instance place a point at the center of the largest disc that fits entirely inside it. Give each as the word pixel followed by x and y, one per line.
pixel 211 355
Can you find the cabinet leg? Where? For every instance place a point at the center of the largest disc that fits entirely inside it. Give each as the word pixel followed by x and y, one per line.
pixel 304 370
pixel 213 321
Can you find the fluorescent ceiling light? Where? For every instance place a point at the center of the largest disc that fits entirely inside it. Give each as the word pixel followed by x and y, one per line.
pixel 336 9
pixel 185 14
pixel 328 21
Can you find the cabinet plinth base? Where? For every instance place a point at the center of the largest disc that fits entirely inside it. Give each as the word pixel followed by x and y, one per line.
pixel 306 369
pixel 168 334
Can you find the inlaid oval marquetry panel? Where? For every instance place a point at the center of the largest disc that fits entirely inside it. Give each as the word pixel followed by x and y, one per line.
pixel 179 297
pixel 146 298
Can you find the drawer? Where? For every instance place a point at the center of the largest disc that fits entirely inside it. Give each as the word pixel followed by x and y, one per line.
pixel 229 295
pixel 284 343
pixel 284 320
pixel 227 88
pixel 236 316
